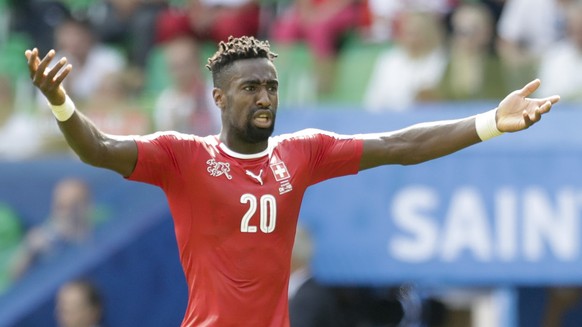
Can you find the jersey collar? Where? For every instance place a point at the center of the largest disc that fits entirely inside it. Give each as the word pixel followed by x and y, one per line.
pixel 234 154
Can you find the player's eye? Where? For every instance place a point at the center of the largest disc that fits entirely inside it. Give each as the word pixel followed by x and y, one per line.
pixel 250 88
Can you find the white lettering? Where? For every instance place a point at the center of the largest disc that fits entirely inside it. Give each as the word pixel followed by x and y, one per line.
pixel 532 224
pixel 410 209
pixel 466 227
pixel 506 224
pixel 558 227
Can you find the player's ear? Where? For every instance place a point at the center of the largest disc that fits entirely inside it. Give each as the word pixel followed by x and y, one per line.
pixel 219 98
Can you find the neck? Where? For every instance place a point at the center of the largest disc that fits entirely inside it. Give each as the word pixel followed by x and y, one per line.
pixel 237 145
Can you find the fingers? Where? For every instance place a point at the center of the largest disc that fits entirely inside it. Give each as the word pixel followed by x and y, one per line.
pixel 531 118
pixel 59 72
pixel 545 107
pixel 526 119
pixel 28 54
pixel 53 72
pixel 32 57
pixel 63 73
pixel 42 66
pixel 554 99
pixel 530 88
pixel 42 76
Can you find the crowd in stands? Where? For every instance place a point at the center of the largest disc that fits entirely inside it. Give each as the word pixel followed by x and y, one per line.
pixel 139 64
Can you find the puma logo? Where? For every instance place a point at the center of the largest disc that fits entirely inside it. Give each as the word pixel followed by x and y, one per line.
pixel 258 177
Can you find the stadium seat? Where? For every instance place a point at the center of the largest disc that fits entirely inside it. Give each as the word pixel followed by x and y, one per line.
pixel 10 237
pixel 79 5
pixel 156 73
pixel 157 77
pixel 295 66
pixel 296 76
pixel 12 61
pixel 355 64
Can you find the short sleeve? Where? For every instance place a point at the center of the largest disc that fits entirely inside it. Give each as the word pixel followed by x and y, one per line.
pixel 157 158
pixel 334 155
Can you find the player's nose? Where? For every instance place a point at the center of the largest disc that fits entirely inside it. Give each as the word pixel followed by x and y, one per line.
pixel 263 99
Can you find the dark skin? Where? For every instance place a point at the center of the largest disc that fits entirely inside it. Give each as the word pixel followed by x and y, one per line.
pixel 248 100
pixel 250 88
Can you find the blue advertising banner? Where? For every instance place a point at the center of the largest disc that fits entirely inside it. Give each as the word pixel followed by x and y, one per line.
pixel 507 211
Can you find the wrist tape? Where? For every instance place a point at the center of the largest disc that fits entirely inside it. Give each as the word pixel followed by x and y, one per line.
pixel 486 125
pixel 64 111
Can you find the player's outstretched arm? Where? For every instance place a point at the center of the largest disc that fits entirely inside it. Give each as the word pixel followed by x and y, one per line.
pixel 118 153
pixel 426 141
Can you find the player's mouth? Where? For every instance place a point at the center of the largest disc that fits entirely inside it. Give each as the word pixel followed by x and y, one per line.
pixel 263 118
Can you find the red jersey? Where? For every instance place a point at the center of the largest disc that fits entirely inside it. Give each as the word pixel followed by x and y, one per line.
pixel 235 216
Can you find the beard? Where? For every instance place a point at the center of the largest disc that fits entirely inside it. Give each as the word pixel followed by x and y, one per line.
pixel 253 134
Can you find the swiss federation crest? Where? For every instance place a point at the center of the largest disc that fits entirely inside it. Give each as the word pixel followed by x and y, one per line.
pixel 217 168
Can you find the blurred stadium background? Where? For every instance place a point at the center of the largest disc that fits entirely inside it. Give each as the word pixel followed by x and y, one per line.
pixel 490 236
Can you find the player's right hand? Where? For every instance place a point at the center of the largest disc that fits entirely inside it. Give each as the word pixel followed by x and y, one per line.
pixel 48 80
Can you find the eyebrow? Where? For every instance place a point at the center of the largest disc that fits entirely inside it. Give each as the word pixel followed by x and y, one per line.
pixel 256 81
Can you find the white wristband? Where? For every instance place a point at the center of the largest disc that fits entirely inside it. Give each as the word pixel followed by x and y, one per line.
pixel 65 110
pixel 486 125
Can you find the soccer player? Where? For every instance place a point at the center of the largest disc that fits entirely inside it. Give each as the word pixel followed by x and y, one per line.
pixel 235 196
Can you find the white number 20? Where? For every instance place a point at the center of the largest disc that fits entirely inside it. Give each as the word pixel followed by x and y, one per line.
pixel 267 211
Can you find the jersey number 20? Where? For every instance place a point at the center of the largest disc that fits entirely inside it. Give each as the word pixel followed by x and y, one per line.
pixel 267 213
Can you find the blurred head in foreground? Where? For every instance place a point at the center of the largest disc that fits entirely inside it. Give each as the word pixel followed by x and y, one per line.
pixel 78 305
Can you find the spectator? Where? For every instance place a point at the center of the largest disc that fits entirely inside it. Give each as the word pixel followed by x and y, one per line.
pixel 210 20
pixel 186 105
pixel 93 60
pixel 561 64
pixel 114 106
pixel 37 19
pixel 17 124
pixel 79 304
pixel 414 64
pixel 523 39
pixel 385 15
pixel 321 24
pixel 311 304
pixel 68 223
pixel 128 24
pixel 474 71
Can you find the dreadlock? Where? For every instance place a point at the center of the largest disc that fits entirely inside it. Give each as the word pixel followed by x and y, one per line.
pixel 244 47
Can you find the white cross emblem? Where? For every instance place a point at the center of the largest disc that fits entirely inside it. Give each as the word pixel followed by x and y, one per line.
pixel 280 171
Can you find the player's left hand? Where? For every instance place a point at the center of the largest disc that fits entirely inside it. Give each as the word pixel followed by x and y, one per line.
pixel 517 112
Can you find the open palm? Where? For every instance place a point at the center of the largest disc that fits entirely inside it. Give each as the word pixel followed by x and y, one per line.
pixel 517 112
pixel 48 80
